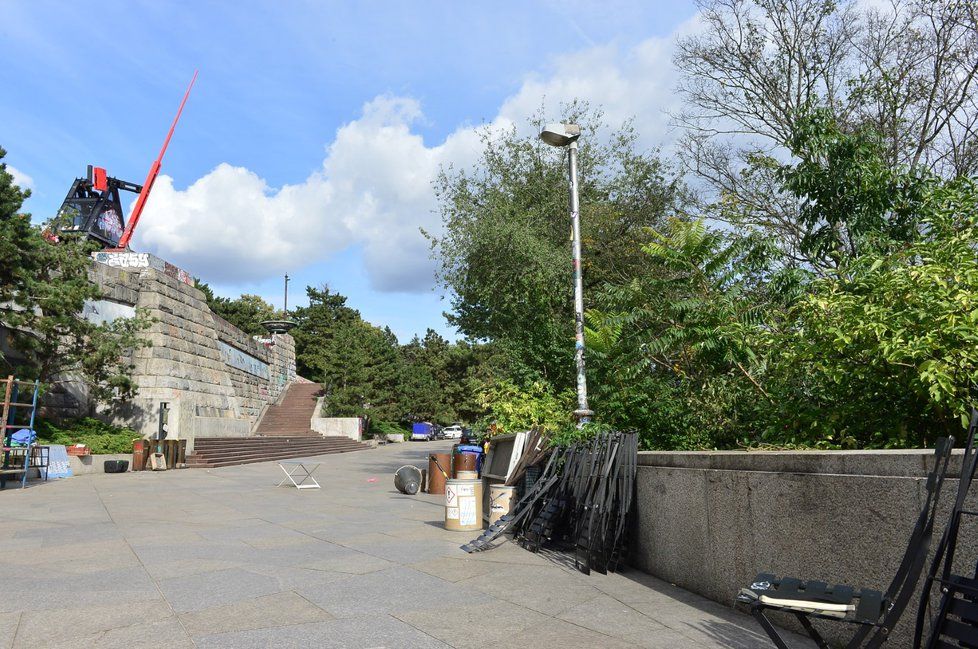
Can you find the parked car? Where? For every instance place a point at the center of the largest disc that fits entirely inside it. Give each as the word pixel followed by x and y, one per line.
pixel 422 431
pixel 453 432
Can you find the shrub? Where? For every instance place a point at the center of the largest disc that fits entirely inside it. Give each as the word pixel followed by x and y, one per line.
pixel 98 436
pixel 384 428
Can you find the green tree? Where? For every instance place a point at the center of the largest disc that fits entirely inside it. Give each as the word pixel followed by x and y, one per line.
pixel 246 312
pixel 505 255
pixel 885 353
pixel 905 71
pixel 360 369
pixel 43 289
pixel 316 326
pixel 670 350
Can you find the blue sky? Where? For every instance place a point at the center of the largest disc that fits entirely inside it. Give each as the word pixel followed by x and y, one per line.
pixel 314 131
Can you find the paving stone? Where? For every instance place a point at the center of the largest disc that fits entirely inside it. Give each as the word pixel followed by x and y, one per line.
pixel 62 626
pixel 394 590
pixel 186 567
pixel 558 633
pixel 634 586
pixel 453 569
pixel 610 617
pixel 66 591
pixel 405 552
pixel 362 632
pixel 545 589
pixel 471 627
pixel 196 592
pixel 290 578
pixel 350 562
pixel 163 634
pixel 711 624
pixel 280 609
pixel 8 628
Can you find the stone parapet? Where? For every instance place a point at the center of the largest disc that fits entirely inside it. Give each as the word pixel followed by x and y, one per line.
pixel 709 522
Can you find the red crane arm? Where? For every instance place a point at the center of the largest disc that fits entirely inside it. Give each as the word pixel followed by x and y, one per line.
pixel 154 170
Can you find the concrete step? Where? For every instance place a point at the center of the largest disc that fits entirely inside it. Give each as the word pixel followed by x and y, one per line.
pixel 217 452
pixel 273 443
pixel 243 448
pixel 275 455
pixel 218 464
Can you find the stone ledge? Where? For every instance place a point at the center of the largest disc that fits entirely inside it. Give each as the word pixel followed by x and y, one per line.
pixel 901 463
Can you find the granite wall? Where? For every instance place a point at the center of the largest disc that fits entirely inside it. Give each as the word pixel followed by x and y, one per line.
pixel 216 379
pixel 709 522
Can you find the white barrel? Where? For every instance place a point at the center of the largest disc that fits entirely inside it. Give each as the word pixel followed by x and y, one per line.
pixel 500 501
pixel 463 505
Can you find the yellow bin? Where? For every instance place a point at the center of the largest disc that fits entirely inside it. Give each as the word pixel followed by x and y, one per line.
pixel 463 505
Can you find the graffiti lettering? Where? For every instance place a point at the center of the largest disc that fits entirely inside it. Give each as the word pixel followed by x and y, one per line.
pixel 123 259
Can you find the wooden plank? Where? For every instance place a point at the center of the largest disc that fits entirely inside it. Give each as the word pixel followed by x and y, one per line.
pixel 6 401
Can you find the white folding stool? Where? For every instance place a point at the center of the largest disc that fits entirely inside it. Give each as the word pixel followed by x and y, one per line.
pixel 301 471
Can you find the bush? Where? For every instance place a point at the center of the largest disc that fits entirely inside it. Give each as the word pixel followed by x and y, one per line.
pixel 384 428
pixel 98 436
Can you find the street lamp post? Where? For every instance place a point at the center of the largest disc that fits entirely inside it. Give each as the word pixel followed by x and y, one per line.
pixel 285 306
pixel 566 135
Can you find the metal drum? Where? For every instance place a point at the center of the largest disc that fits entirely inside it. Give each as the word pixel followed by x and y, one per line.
pixel 439 470
pixel 463 505
pixel 408 479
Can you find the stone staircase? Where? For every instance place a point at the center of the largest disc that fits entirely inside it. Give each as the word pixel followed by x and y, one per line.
pixel 283 433
pixel 291 417
pixel 228 451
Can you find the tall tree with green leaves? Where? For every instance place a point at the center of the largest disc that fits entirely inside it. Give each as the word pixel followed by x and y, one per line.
pixel 360 370
pixel 505 253
pixel 316 327
pixel 43 289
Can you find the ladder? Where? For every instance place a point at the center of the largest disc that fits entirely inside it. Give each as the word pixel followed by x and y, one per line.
pixel 17 415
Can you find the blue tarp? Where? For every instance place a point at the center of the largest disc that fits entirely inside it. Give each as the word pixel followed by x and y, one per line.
pixel 23 437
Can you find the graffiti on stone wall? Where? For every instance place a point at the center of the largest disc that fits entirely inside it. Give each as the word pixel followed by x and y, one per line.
pixel 123 259
pixel 142 260
pixel 106 311
pixel 243 361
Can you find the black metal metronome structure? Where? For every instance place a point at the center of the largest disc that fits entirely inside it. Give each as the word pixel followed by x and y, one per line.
pixel 93 206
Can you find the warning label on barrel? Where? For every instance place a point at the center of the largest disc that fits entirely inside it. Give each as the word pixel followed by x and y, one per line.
pixel 466 508
pixel 465 490
pixel 450 497
pixel 452 513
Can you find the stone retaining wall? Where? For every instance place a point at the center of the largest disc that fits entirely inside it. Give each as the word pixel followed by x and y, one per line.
pixel 215 378
pixel 709 522
pixel 352 427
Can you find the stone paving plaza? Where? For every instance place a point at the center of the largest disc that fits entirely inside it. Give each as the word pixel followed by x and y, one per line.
pixel 224 558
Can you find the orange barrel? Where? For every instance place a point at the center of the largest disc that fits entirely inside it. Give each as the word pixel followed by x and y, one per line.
pixel 439 470
pixel 465 462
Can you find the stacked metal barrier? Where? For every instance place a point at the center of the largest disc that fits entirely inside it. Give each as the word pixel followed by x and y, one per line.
pixel 580 503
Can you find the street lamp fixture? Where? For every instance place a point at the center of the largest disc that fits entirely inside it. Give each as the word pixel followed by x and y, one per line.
pixel 560 134
pixel 566 135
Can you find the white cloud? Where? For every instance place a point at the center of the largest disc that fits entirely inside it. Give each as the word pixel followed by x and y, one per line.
pixel 374 186
pixel 21 179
